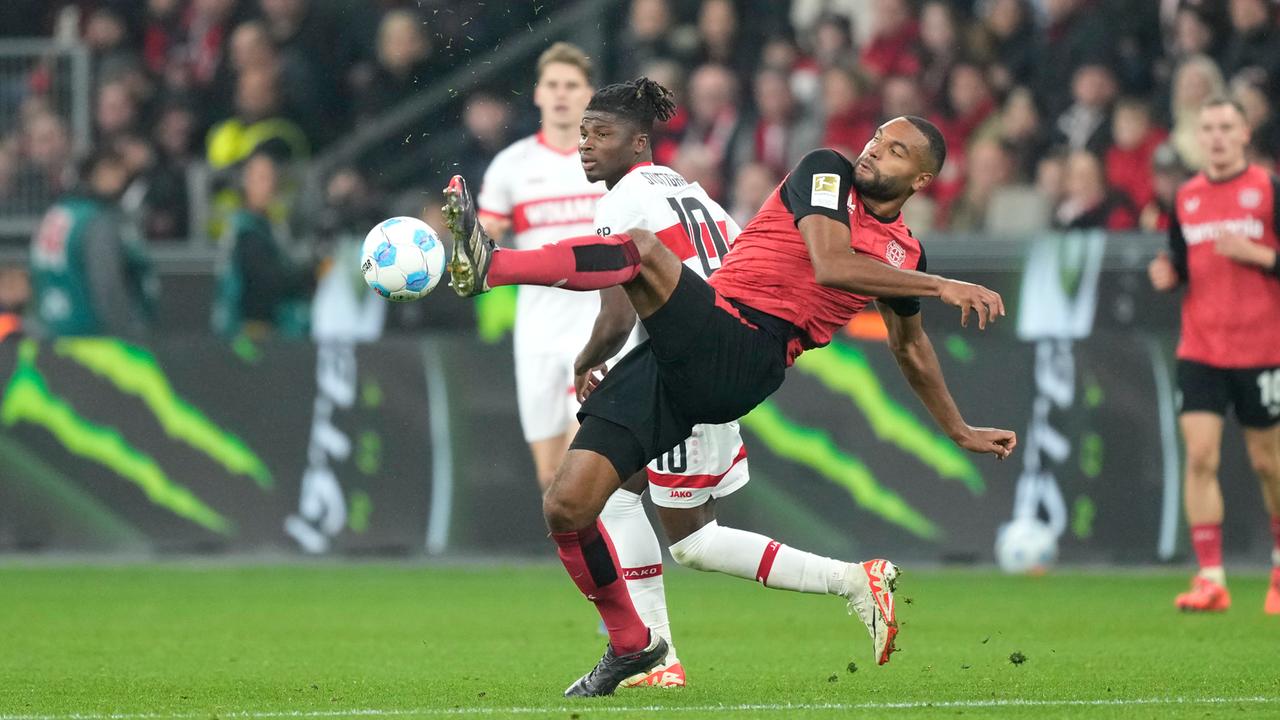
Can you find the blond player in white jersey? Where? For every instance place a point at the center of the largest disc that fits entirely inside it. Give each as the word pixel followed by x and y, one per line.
pixel 536 190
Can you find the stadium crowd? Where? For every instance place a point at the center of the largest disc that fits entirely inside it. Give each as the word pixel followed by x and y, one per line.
pixel 1057 113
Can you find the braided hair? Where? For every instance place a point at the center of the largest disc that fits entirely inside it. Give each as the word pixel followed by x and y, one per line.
pixel 640 101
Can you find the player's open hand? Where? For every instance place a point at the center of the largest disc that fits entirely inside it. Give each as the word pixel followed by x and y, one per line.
pixel 987 304
pixel 1161 272
pixel 585 381
pixel 989 440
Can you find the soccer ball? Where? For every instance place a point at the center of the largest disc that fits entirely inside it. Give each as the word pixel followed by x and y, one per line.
pixel 1026 545
pixel 402 259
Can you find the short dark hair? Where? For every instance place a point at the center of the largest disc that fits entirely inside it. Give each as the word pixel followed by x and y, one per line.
pixel 567 54
pixel 937 144
pixel 641 101
pixel 1220 100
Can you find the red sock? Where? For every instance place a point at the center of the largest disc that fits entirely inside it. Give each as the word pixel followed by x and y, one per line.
pixel 1207 541
pixel 592 562
pixel 580 263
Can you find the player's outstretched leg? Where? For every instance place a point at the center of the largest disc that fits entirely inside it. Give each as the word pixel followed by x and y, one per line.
pixel 1202 495
pixel 572 507
pixel 582 263
pixel 867 586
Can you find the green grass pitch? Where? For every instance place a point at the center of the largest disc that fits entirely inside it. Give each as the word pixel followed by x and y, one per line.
pixel 404 641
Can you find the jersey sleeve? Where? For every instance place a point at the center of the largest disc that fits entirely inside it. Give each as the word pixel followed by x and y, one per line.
pixel 495 190
pixel 1177 247
pixel 819 185
pixel 906 306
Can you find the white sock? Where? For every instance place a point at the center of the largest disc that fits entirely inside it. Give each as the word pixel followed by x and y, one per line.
pixel 1215 573
pixel 1275 557
pixel 640 556
pixel 755 557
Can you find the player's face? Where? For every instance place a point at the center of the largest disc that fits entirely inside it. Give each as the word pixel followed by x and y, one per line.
pixel 562 93
pixel 890 165
pixel 1223 135
pixel 608 146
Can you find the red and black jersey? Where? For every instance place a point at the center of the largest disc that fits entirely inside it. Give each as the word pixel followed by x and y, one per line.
pixel 769 268
pixel 1231 311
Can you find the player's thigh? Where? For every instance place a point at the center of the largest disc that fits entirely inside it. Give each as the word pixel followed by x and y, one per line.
pixel 544 397
pixel 659 274
pixel 1263 445
pixel 548 453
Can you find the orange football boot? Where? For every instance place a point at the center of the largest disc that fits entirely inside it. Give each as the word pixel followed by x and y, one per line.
pixel 1205 595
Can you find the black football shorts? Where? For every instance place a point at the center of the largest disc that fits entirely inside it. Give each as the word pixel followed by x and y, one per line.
pixel 707 360
pixel 1254 393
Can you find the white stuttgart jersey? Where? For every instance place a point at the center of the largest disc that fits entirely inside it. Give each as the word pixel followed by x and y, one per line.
pixel 682 215
pixel 712 462
pixel 546 196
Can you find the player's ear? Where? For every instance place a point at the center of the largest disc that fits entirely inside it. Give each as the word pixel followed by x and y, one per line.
pixel 922 181
pixel 640 143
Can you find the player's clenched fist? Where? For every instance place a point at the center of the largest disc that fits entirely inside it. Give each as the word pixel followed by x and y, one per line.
pixel 1162 273
pixel 973 298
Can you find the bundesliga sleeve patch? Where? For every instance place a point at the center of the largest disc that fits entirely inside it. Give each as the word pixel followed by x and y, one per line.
pixel 826 191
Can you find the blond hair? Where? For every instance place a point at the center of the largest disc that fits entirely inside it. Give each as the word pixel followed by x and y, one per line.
pixel 567 54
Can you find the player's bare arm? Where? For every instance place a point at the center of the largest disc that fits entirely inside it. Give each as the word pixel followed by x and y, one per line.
pixel 608 336
pixel 919 363
pixel 495 226
pixel 1241 249
pixel 835 265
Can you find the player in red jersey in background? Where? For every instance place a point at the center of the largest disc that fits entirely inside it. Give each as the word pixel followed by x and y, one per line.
pixel 1223 247
pixel 813 257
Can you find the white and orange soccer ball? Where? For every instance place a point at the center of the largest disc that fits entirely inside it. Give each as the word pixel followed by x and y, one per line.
pixel 402 259
pixel 1026 545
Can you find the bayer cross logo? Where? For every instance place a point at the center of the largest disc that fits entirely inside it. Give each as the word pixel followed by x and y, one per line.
pixel 894 254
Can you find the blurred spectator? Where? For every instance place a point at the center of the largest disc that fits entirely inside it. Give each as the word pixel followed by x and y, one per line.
pixel 781 133
pixel 1005 40
pixel 1017 126
pixel 1254 43
pixel 261 290
pixel 752 185
pixel 808 15
pixel 89 275
pixel 988 167
pixel 115 112
pixel 256 125
pixel 892 48
pixel 1264 129
pixel 832 41
pixel 350 206
pixel 208 28
pixel 715 124
pixel 1086 124
pixel 1168 174
pixel 666 136
pixel 162 36
pixel 968 104
pixel 251 50
pixel 646 37
pixel 165 212
pixel 1050 177
pixel 850 111
pixel 720 40
pixel 106 33
pixel 900 95
pixel 403 68
pixel 939 47
pixel 1073 36
pixel 1128 161
pixel 1196 79
pixel 487 122
pixel 45 167
pixel 1088 202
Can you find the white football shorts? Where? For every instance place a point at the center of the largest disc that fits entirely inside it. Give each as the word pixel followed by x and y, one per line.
pixel 710 463
pixel 545 395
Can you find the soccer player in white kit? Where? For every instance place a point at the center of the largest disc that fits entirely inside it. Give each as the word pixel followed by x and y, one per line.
pixel 536 190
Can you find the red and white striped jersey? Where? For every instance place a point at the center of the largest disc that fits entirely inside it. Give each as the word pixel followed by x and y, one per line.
pixel 546 196
pixel 682 215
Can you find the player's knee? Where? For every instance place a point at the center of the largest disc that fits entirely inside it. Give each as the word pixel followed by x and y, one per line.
pixel 1202 463
pixel 690 552
pixel 564 513
pixel 1266 466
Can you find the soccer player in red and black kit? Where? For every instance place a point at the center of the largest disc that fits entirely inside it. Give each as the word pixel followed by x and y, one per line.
pixel 828 241
pixel 1223 247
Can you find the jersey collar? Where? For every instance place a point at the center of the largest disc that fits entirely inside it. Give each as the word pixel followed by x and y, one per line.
pixel 542 140
pixel 646 163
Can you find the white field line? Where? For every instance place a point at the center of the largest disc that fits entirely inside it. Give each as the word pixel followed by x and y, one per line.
pixel 588 707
